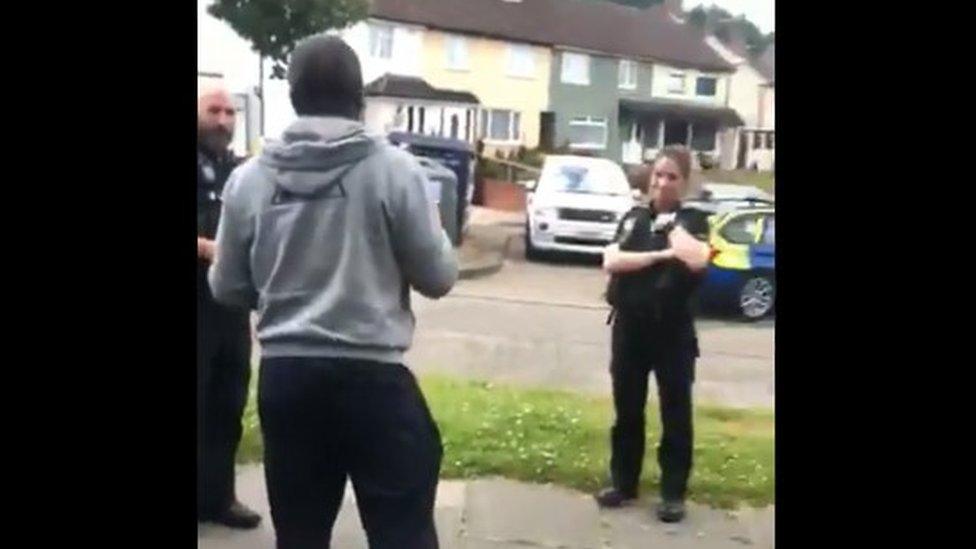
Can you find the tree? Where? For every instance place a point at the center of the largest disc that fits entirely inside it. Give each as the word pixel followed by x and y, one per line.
pixel 698 17
pixel 721 22
pixel 274 27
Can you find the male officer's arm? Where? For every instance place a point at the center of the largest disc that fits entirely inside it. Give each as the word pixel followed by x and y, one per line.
pixel 616 261
pixel 230 274
pixel 422 248
pixel 689 240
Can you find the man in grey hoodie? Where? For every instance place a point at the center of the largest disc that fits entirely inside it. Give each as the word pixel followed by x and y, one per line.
pixel 324 234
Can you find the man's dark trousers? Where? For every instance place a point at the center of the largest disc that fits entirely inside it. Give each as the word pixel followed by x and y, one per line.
pixel 223 372
pixel 328 419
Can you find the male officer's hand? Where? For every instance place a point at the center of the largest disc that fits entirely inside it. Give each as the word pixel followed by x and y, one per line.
pixel 205 248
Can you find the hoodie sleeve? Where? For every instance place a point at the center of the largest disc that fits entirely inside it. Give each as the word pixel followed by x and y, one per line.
pixel 230 275
pixel 423 250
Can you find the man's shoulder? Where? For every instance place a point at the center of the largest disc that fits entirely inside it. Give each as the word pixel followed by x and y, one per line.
pixel 388 153
pixel 247 167
pixel 399 165
pixel 249 174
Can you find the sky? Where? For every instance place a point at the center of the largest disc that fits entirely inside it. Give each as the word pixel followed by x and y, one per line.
pixel 760 12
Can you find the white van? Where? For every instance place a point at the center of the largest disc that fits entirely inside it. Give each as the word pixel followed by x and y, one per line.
pixel 576 205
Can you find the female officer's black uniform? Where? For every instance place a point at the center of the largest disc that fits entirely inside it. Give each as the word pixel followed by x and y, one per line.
pixel 653 329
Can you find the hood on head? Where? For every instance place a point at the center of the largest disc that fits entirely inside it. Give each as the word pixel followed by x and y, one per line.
pixel 314 151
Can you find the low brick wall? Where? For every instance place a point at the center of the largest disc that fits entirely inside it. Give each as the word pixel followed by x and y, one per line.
pixel 503 195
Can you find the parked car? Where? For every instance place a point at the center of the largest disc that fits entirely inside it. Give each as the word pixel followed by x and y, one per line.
pixel 576 205
pixel 743 265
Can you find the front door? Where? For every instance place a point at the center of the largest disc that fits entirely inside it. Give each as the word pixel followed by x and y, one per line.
pixel 676 132
pixel 547 130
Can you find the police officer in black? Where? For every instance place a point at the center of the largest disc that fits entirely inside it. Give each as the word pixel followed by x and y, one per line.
pixel 223 334
pixel 655 265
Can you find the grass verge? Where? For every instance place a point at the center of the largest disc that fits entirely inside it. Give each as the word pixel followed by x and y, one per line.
pixel 546 436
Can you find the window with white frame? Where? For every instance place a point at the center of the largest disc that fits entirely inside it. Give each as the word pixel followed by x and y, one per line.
pixel 588 132
pixel 457 53
pixel 676 83
pixel 705 86
pixel 521 61
pixel 380 41
pixel 627 76
pixel 500 125
pixel 576 68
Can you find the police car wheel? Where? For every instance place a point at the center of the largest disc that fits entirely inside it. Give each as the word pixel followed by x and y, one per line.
pixel 756 297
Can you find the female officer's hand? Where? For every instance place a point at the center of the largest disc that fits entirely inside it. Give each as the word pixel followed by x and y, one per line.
pixel 617 261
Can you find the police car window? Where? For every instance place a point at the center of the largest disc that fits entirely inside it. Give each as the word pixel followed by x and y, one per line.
pixel 742 230
pixel 769 231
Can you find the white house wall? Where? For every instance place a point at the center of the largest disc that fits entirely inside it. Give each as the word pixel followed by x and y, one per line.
pixel 767 100
pixel 381 116
pixel 278 112
pixel 221 51
pixel 744 94
pixel 405 61
pixel 406 54
pixel 224 56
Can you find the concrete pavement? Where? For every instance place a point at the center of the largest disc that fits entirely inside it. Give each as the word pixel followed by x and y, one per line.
pixel 503 514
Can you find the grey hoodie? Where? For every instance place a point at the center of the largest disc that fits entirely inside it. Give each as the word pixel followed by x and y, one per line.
pixel 324 234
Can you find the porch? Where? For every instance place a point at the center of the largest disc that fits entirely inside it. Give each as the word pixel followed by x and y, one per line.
pixel 648 125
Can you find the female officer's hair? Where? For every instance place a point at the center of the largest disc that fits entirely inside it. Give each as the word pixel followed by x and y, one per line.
pixel 681 156
pixel 639 177
pixel 325 78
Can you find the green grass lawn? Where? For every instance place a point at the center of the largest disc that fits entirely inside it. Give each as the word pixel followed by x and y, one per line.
pixel 763 180
pixel 560 437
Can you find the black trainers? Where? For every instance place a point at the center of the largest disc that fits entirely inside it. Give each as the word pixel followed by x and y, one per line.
pixel 671 510
pixel 236 516
pixel 612 498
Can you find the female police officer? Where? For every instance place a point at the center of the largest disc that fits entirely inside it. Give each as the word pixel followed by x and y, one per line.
pixel 655 266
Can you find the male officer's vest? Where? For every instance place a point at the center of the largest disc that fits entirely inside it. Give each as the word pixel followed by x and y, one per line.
pixel 211 177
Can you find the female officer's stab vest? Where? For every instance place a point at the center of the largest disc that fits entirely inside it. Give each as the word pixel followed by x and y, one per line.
pixel 663 291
